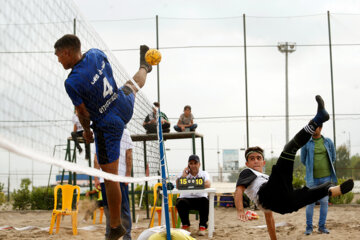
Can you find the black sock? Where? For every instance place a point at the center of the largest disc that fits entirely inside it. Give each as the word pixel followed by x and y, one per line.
pixel 302 137
pixel 322 115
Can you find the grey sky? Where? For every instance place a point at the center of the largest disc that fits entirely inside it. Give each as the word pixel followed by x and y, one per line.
pixel 211 80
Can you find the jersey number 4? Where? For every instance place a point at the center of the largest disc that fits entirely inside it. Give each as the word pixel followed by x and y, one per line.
pixel 108 89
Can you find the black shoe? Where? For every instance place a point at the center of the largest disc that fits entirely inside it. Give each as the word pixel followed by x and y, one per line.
pixel 322 115
pixel 167 130
pixel 143 63
pixel 346 186
pixel 116 233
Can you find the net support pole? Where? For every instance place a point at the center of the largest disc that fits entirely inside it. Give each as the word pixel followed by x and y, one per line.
pixel 146 184
pixel 246 85
pixel 202 153
pixel 163 177
pixel 133 196
pixel 157 67
pixel 332 79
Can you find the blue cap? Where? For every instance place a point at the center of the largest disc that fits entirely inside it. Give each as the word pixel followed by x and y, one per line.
pixel 194 157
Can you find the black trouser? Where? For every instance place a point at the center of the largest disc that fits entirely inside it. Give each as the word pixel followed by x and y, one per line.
pixel 152 127
pixel 184 205
pixel 74 136
pixel 278 194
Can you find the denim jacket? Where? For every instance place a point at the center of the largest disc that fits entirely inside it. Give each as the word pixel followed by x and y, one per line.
pixel 307 158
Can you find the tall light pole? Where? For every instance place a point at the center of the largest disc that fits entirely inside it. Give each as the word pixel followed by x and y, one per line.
pixel 286 47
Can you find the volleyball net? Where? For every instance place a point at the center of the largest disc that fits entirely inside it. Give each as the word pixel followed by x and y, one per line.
pixel 36 112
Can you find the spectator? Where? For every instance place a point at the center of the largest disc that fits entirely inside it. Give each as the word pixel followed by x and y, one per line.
pixel 99 202
pixel 186 121
pixel 318 155
pixel 78 132
pixel 194 201
pixel 150 122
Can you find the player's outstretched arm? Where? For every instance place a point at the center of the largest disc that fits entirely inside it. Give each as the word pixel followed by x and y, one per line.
pixel 238 196
pixel 270 222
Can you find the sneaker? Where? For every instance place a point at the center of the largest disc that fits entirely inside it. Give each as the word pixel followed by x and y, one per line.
pixel 143 63
pixel 308 231
pixel 201 231
pixel 343 188
pixel 185 227
pixel 116 233
pixel 323 230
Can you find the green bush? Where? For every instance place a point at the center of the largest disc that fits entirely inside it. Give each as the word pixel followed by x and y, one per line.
pixel 298 181
pixel 342 199
pixel 42 198
pixel 2 198
pixel 358 201
pixel 150 196
pixel 22 197
pixel 2 195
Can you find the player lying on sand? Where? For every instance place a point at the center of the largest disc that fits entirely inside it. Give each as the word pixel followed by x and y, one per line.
pixel 275 193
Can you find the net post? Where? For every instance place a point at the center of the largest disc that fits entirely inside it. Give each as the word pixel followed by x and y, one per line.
pixel 146 185
pixel 163 177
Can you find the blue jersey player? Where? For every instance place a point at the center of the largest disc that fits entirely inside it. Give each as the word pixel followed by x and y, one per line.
pixel 96 97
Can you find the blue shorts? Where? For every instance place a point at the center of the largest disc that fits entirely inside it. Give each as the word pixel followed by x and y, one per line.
pixel 108 131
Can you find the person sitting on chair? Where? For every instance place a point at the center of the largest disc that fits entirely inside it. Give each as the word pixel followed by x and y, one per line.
pixel 78 132
pixel 150 122
pixel 186 121
pixel 194 201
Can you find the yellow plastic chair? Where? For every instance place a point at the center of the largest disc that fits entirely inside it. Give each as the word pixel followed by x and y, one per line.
pixel 66 207
pixel 101 215
pixel 172 209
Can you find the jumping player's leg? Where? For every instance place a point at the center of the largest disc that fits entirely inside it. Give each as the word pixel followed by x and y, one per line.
pixel 140 76
pixel 302 137
pixel 285 164
pixel 280 180
pixel 278 194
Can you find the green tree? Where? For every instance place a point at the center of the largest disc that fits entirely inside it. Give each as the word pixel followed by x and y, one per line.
pixel 355 165
pixel 269 164
pixel 343 164
pixel 2 195
pixel 22 197
pixel 233 177
pixel 299 168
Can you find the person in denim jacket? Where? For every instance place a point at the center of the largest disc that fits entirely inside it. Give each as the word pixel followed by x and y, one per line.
pixel 318 155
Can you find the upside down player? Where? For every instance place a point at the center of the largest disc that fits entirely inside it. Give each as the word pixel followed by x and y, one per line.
pixel 275 192
pixel 93 91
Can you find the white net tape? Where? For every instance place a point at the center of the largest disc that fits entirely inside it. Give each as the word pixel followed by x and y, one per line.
pixel 31 154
